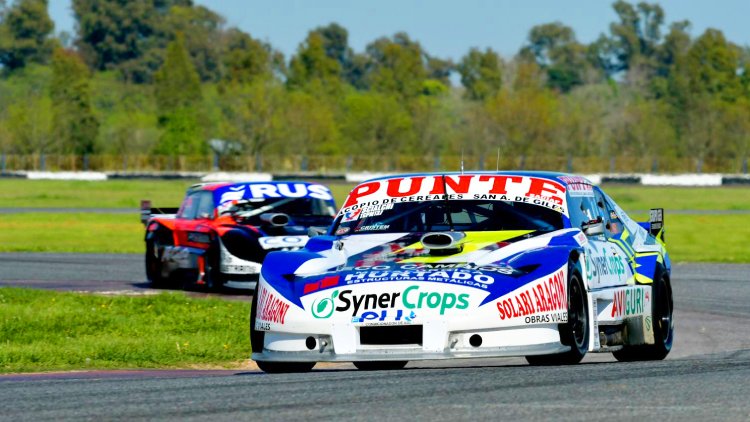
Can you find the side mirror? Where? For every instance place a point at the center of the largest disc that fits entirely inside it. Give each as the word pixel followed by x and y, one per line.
pixel 593 228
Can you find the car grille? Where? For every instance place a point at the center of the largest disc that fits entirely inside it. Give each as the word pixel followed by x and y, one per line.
pixel 394 335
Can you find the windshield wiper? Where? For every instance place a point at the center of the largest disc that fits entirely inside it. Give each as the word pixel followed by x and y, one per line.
pixel 447 203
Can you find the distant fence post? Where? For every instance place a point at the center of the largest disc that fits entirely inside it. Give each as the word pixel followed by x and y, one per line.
pixel 655 165
pixel 612 164
pixel 42 162
pixel 85 162
pixel 699 166
pixel 436 164
pixel 216 161
pixel 303 163
pixel 522 162
pixel 349 162
pixel 258 162
pixel 570 164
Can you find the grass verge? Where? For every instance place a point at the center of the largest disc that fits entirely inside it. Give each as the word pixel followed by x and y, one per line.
pixel 45 331
pixel 16 193
pixel 706 238
pixel 74 232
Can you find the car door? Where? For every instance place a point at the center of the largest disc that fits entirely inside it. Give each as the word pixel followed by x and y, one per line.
pixel 606 264
pixel 612 258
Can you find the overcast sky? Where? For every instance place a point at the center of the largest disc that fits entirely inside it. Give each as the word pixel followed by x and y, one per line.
pixel 446 29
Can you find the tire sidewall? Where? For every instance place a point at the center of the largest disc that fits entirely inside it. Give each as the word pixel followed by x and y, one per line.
pixel 576 348
pixel 661 288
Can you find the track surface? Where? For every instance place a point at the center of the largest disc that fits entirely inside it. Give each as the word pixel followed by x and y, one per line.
pixel 707 376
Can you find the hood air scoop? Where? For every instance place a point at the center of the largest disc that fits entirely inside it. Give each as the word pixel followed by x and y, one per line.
pixel 443 243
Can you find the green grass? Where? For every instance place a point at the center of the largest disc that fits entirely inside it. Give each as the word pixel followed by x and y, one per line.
pixel 706 238
pixel 44 331
pixel 642 198
pixel 71 232
pixel 16 193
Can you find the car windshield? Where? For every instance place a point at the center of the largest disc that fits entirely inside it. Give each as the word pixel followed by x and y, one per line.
pixel 295 207
pixel 464 215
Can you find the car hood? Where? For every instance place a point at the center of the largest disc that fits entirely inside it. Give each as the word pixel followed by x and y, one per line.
pixel 494 262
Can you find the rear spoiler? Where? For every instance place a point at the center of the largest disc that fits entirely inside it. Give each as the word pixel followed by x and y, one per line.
pixel 656 223
pixel 147 211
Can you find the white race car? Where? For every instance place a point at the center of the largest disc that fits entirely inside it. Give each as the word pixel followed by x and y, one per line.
pixel 438 266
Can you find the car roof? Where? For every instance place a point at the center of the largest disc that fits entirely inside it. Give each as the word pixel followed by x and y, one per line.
pixel 562 178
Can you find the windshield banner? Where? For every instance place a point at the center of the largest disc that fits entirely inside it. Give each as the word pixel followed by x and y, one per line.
pixel 249 191
pixel 382 194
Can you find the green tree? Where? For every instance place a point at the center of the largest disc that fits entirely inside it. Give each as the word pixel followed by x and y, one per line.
pixel 75 124
pixel 309 125
pixel 124 35
pixel 312 66
pixel 524 118
pixel 201 28
pixel 712 66
pixel 376 122
pixel 634 40
pixel 554 48
pixel 397 66
pixel 481 74
pixel 29 122
pixel 245 59
pixel 25 30
pixel 178 96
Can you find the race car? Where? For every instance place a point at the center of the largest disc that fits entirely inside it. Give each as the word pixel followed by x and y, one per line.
pixel 439 266
pixel 222 231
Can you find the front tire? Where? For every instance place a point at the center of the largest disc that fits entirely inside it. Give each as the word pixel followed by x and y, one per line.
pixel 257 339
pixel 663 323
pixel 574 333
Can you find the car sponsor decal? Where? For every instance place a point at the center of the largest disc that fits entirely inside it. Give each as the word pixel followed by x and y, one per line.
pixel 414 297
pixel 533 190
pixel 385 317
pixel 632 301
pixel 271 308
pixel 541 302
pixel 276 242
pixel 578 186
pixel 271 190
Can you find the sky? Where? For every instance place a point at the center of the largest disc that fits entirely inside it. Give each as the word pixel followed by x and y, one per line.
pixel 446 28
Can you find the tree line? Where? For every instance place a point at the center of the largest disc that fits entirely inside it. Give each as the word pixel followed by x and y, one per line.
pixel 162 77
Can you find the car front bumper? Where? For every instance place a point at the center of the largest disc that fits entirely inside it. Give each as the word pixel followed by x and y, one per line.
pixel 344 345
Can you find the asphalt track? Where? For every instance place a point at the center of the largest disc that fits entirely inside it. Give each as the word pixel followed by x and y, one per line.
pixel 706 377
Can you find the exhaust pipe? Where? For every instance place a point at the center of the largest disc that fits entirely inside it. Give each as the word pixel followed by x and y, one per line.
pixel 275 219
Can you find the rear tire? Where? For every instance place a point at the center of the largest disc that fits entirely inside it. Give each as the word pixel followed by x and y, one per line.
pixel 574 333
pixel 663 323
pixel 386 365
pixel 256 343
pixel 213 277
pixel 153 265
